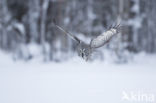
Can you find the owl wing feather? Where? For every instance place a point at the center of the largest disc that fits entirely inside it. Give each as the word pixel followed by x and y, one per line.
pixel 68 33
pixel 105 37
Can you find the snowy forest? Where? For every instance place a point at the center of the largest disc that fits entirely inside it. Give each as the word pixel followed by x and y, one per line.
pixel 27 31
pixel 39 63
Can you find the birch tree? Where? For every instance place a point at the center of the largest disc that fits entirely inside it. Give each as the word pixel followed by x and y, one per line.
pixel 44 8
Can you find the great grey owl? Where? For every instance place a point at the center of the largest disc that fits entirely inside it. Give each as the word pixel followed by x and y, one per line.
pixel 85 50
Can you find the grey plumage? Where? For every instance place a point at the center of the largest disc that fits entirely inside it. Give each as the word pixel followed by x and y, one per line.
pixel 85 50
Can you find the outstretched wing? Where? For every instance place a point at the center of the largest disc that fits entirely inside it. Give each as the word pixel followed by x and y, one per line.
pixel 104 37
pixel 68 33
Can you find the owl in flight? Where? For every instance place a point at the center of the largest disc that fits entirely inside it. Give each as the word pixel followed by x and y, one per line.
pixel 85 50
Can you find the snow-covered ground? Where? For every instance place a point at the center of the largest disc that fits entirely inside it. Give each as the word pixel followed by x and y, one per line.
pixel 76 81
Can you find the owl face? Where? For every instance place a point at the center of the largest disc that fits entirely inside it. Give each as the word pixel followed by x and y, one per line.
pixel 84 53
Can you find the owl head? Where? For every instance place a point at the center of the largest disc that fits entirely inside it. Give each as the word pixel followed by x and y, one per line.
pixel 84 53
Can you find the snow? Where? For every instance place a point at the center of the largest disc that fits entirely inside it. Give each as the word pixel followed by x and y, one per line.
pixel 135 22
pixel 20 27
pixel 34 49
pixel 135 7
pixel 74 81
pixel 66 20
